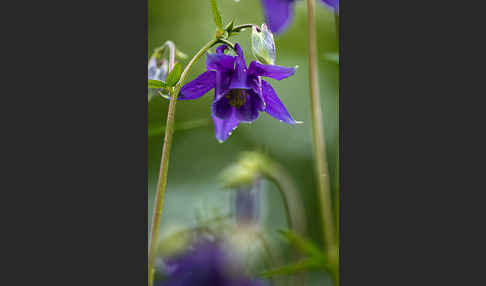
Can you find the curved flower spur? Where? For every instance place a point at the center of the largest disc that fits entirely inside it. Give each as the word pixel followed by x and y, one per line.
pixel 279 13
pixel 240 93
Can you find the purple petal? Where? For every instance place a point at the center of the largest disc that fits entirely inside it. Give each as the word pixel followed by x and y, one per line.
pixel 223 80
pixel 248 112
pixel 274 106
pixel 256 87
pixel 278 14
pixel 334 4
pixel 239 78
pixel 220 62
pixel 152 68
pixel 224 127
pixel 199 86
pixel 221 108
pixel 221 49
pixel 276 72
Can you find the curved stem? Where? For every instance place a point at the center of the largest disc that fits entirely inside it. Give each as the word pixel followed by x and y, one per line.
pixel 162 181
pixel 295 212
pixel 241 27
pixel 228 43
pixel 318 133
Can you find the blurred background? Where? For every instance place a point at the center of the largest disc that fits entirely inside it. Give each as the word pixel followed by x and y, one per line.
pixel 197 159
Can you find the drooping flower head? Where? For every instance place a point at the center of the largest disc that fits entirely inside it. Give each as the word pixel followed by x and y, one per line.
pixel 279 13
pixel 206 263
pixel 157 70
pixel 240 93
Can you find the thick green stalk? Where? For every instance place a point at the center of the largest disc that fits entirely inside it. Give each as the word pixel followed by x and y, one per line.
pixel 318 133
pixel 162 182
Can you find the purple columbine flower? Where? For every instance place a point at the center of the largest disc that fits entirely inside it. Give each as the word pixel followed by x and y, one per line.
pixel 279 13
pixel 240 93
pixel 207 263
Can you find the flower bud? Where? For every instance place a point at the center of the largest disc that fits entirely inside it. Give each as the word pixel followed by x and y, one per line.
pixel 245 171
pixel 263 45
pixel 247 204
pixel 157 70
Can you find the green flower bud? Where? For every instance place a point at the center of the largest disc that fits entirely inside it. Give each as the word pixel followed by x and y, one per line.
pixel 245 171
pixel 263 45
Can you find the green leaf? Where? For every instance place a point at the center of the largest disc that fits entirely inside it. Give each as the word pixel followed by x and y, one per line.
pixel 174 75
pixel 180 54
pixel 332 57
pixel 303 265
pixel 156 84
pixel 230 26
pixel 216 14
pixel 304 245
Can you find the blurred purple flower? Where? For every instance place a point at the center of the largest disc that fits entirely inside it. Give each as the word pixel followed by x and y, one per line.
pixel 279 13
pixel 240 93
pixel 206 264
pixel 247 204
pixel 334 4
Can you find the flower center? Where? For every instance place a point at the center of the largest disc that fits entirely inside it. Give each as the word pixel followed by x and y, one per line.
pixel 236 97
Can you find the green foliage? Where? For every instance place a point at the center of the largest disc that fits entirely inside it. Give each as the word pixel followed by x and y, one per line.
pixel 332 57
pixel 152 83
pixel 294 268
pixel 315 257
pixel 216 14
pixel 174 75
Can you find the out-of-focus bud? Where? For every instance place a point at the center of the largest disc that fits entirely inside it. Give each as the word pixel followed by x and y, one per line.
pixel 245 171
pixel 263 45
pixel 247 204
pixel 157 70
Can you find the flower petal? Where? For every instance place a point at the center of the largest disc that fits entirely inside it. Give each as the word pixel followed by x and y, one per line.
pixel 220 62
pixel 221 49
pixel 248 112
pixel 334 4
pixel 278 14
pixel 199 86
pixel 221 108
pixel 239 77
pixel 274 106
pixel 224 127
pixel 256 86
pixel 276 72
pixel 223 80
pixel 152 68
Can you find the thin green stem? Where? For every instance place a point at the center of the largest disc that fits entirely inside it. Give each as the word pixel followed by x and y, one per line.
pixel 293 206
pixel 241 27
pixel 318 133
pixel 295 213
pixel 228 43
pixel 162 181
pixel 337 194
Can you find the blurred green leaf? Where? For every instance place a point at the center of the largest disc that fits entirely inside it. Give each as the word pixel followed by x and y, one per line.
pixel 152 83
pixel 304 245
pixel 174 75
pixel 180 54
pixel 230 26
pixel 315 260
pixel 332 57
pixel 303 265
pixel 216 14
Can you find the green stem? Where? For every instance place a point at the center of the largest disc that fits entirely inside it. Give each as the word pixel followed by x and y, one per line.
pixel 295 213
pixel 294 210
pixel 162 182
pixel 336 196
pixel 241 27
pixel 318 133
